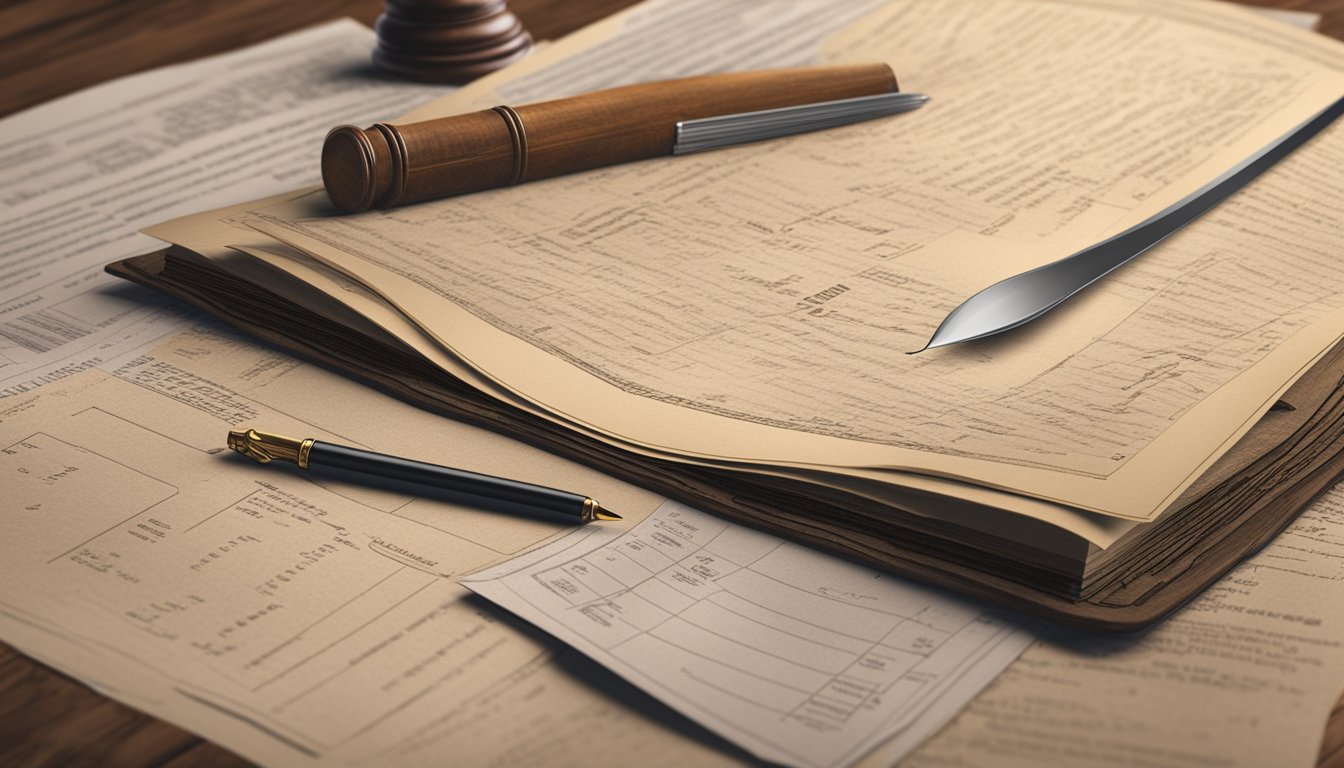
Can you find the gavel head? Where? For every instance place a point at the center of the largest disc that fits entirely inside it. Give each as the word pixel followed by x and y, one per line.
pixel 448 41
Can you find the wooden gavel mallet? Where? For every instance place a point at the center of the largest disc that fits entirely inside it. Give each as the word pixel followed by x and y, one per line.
pixel 388 165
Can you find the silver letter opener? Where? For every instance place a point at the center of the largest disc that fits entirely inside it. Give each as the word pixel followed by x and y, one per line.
pixel 1022 298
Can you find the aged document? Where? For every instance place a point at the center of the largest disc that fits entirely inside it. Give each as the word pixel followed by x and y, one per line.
pixel 635 301
pixel 640 35
pixel 802 658
pixel 293 618
pixel 330 293
pixel 85 172
pixel 326 291
pixel 1245 676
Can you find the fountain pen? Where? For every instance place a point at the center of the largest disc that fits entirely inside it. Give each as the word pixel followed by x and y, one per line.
pixel 417 477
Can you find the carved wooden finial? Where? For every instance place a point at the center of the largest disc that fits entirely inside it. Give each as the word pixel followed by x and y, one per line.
pixel 448 41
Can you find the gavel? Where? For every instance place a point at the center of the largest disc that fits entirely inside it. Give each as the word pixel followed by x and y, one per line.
pixel 388 165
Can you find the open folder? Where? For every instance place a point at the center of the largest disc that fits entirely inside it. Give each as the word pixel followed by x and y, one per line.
pixel 729 329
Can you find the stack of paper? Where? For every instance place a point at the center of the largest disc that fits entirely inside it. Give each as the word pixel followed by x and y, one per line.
pixel 730 327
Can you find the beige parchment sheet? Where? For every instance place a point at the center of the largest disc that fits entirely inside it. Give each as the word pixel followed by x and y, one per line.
pixel 210 234
pixel 326 291
pixel 296 619
pixel 1246 675
pixel 634 299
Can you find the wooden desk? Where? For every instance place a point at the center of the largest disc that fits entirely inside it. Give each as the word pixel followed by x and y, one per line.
pixel 52 47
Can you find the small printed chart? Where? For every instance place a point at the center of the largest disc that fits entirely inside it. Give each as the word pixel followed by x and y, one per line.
pixel 60 489
pixel 803 658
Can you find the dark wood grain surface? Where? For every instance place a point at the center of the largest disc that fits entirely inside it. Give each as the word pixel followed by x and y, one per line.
pixel 49 48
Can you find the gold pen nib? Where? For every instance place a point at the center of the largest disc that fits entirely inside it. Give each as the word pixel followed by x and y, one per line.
pixel 594 511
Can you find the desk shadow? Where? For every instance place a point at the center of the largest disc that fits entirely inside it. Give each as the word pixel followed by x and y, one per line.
pixel 144 297
pixel 134 293
pixel 1090 643
pixel 366 71
pixel 613 688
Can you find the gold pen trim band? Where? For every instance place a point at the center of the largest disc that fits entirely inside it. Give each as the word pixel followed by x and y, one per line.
pixel 266 447
pixel 594 511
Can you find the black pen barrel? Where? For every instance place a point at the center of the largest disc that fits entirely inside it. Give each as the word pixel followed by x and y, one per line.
pixel 411 477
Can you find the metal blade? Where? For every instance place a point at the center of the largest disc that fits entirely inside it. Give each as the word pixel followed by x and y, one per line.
pixel 727 130
pixel 1022 298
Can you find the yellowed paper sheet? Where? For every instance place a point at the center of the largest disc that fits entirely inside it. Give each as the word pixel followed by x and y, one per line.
pixel 209 235
pixel 1247 675
pixel 287 616
pixel 84 172
pixel 635 301
pixel 985 509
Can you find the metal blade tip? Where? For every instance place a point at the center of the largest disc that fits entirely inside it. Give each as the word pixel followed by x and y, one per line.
pixel 934 342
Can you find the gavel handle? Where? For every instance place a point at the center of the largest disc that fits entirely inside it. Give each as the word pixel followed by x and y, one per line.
pixel 387 165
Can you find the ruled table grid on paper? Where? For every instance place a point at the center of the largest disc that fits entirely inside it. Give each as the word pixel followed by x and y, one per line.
pixel 674 582
pixel 730 624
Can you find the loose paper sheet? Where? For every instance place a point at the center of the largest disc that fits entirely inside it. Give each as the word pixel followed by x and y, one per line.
pixel 84 172
pixel 1247 675
pixel 633 299
pixel 802 658
pixel 795 29
pixel 290 617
